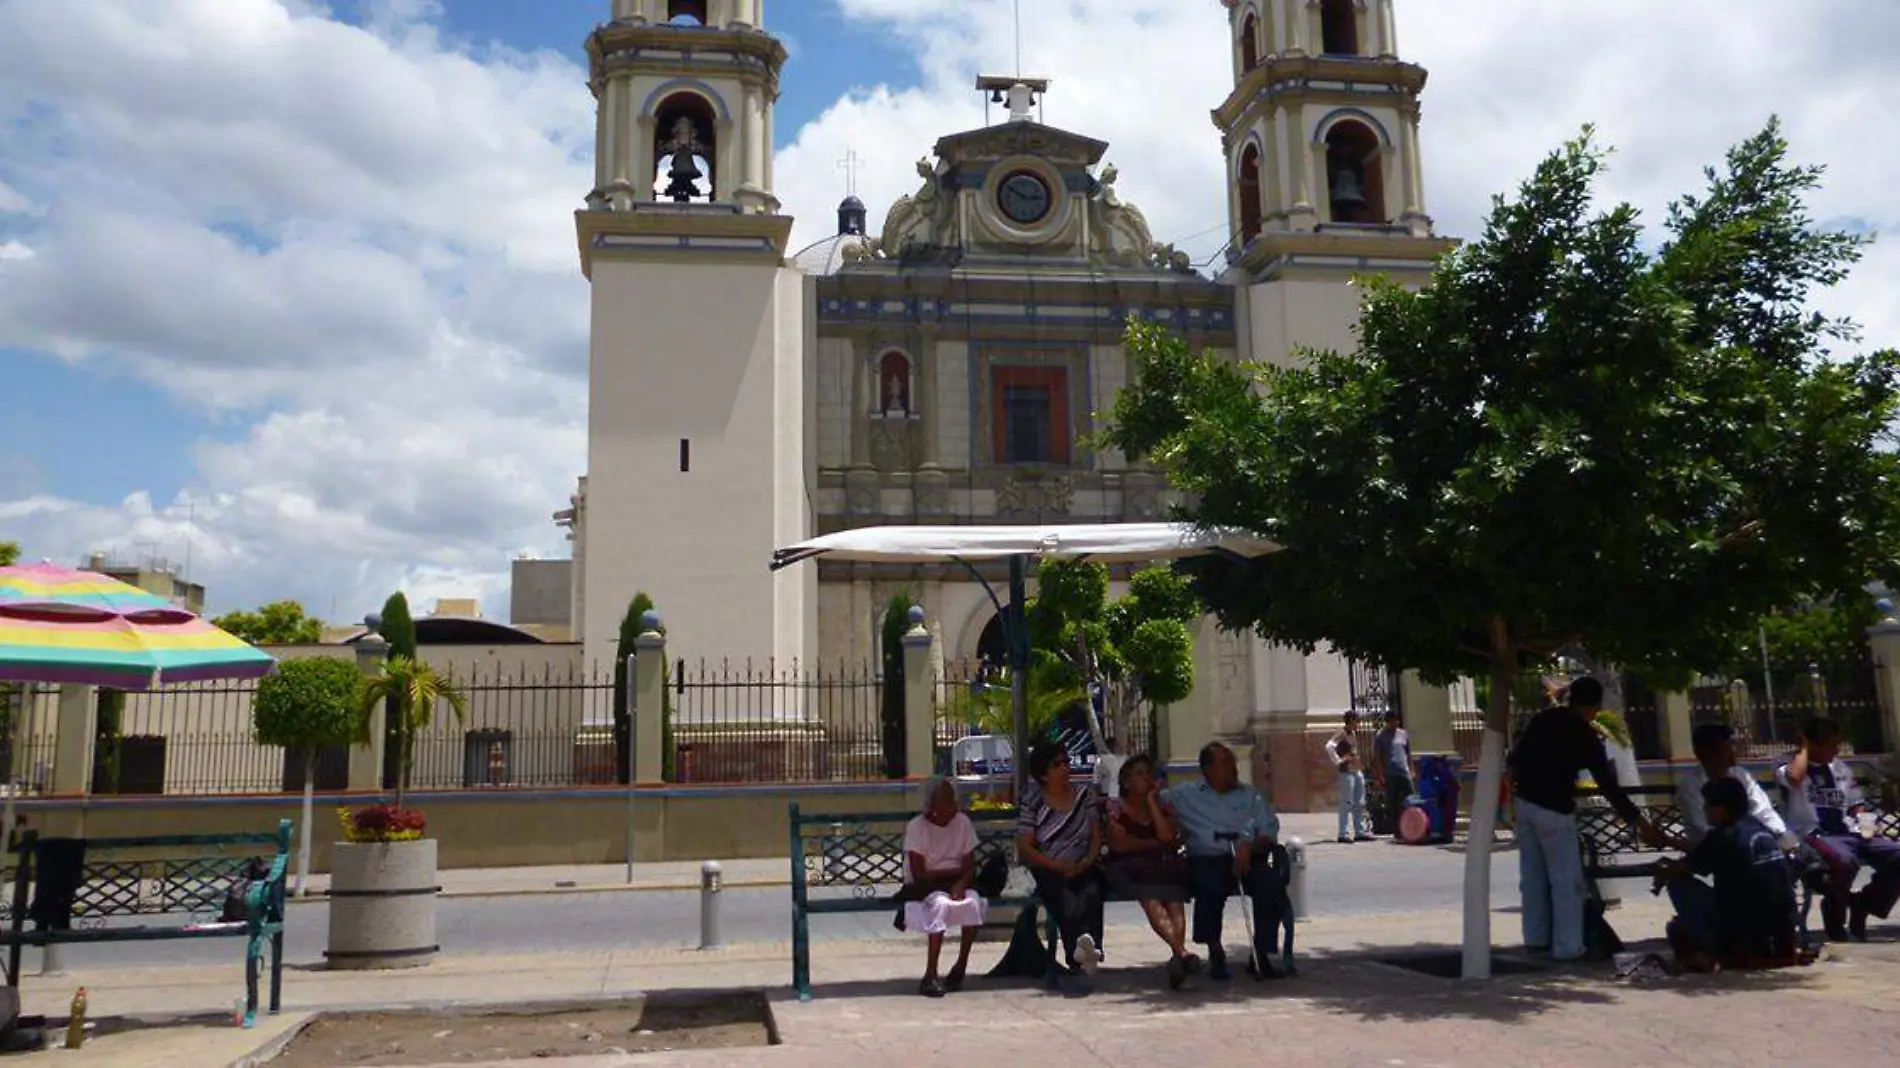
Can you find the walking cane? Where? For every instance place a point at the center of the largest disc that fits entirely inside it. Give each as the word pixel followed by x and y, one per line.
pixel 1246 902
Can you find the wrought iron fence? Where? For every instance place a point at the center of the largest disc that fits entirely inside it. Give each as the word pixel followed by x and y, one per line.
pixel 751 723
pixel 192 738
pixel 524 728
pixel 1765 729
pixel 26 737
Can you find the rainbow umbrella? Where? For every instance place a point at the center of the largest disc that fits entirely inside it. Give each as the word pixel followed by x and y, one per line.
pixel 61 625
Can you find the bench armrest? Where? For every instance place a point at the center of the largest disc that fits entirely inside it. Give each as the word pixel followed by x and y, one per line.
pixel 264 898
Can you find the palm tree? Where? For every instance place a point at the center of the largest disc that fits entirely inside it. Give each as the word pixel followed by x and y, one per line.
pixel 986 704
pixel 411 689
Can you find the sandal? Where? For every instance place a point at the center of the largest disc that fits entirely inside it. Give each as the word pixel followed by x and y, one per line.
pixel 931 987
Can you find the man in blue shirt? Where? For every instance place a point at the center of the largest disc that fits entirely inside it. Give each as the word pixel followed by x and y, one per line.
pixel 1232 839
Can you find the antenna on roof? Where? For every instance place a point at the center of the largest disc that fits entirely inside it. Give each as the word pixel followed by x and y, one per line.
pixel 1019 38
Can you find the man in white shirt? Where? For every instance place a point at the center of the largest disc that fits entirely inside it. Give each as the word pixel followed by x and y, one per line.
pixel 1822 799
pixel 1715 750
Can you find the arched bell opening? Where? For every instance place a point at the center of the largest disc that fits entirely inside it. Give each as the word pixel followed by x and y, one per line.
pixel 685 148
pixel 1339 28
pixel 1249 43
pixel 1249 185
pixel 1355 179
pixel 686 12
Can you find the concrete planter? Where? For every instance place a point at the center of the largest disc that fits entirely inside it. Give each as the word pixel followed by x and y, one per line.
pixel 382 904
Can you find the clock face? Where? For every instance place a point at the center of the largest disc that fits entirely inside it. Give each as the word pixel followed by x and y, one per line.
pixel 1024 198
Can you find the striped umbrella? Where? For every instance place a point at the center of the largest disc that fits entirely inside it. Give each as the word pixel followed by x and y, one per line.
pixel 59 625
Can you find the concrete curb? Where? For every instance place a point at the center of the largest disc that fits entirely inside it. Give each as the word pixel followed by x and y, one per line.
pixel 323 898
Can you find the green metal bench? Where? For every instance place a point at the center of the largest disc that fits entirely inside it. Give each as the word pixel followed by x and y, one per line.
pixel 188 875
pixel 864 852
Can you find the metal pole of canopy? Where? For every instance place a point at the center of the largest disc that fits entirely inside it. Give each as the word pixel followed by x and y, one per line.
pixel 1018 636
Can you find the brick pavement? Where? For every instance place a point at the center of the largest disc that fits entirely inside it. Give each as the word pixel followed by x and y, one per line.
pixel 1345 1009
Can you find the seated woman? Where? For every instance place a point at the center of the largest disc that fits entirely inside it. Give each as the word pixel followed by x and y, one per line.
pixel 940 866
pixel 1059 839
pixel 1145 862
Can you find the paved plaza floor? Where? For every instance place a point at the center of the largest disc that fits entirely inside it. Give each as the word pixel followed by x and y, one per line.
pixel 1349 1006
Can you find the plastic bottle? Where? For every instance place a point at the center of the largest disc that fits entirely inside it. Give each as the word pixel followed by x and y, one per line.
pixel 76 1021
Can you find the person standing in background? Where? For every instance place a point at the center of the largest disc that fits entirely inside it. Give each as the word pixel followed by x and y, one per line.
pixel 1343 750
pixel 1392 765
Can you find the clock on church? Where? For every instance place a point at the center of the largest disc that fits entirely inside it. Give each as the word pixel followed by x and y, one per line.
pixel 1024 198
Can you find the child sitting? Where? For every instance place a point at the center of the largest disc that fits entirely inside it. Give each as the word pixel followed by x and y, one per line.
pixel 1747 919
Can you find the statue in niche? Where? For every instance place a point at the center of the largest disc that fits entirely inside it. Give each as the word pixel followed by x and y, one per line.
pixel 895 389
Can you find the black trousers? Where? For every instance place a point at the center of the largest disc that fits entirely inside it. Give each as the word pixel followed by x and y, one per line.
pixel 1212 882
pixel 1076 901
pixel 1397 789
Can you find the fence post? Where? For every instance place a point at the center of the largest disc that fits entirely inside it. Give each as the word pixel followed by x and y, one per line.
pixel 1678 722
pixel 366 761
pixel 920 699
pixel 72 740
pixel 649 695
pixel 1884 639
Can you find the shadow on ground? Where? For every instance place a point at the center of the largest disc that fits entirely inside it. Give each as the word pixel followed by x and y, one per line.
pixel 1372 983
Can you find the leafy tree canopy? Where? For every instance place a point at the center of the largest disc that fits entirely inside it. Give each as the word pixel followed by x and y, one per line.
pixel 277 623
pixel 310 702
pixel 1562 440
pixel 9 553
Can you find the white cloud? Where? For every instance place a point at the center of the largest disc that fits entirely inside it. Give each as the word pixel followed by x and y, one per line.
pixel 354 246
pixel 13 250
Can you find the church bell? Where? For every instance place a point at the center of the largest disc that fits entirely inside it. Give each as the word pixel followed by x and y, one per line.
pixel 1348 191
pixel 683 177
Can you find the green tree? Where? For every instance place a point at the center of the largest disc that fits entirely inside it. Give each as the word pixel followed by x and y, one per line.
pixel 415 688
pixel 986 704
pixel 891 718
pixel 1562 441
pixel 277 623
pixel 1137 647
pixel 305 705
pixel 9 553
pixel 399 630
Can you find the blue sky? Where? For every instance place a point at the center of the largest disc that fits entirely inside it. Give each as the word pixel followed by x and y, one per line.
pixel 300 290
pixel 67 400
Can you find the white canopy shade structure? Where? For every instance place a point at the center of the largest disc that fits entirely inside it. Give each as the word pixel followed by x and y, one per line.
pixel 1103 542
pixel 1107 543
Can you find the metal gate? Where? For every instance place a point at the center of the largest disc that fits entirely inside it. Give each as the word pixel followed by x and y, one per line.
pixel 1375 690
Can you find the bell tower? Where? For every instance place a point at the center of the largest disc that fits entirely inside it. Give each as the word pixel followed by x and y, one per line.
pixel 1321 134
pixel 696 401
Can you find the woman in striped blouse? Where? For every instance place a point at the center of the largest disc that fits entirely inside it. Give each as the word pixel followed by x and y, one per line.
pixel 1059 839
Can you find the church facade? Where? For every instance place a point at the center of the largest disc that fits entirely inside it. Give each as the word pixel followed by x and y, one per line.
pixel 945 365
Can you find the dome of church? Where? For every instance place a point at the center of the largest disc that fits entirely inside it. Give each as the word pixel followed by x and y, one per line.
pixel 825 257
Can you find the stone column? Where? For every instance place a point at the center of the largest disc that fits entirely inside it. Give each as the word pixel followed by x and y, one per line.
pixel 366 761
pixel 1884 638
pixel 649 699
pixel 1426 712
pixel 72 740
pixel 1389 23
pixel 1676 724
pixel 920 699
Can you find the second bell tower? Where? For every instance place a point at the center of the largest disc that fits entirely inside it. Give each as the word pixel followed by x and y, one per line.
pixel 1321 134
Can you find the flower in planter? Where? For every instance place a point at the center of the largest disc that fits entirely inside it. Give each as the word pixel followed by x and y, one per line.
pixel 382 823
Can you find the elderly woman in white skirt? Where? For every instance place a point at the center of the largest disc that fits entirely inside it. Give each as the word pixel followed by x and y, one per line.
pixel 940 868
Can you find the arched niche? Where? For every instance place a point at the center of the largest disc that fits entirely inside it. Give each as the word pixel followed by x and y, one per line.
pixel 896 385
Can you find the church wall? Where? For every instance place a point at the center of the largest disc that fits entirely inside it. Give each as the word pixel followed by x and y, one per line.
pixel 835 409
pixel 729 385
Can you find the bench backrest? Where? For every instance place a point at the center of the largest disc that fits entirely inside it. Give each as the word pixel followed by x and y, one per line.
pixel 1604 834
pixel 182 874
pixel 866 850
